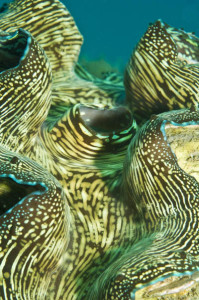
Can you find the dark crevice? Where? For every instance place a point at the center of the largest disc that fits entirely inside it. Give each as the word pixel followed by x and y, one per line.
pixel 12 49
pixel 3 7
pixel 12 192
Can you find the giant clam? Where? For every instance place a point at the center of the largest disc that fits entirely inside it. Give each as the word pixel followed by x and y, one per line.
pixel 90 209
pixel 34 227
pixel 163 71
pixel 164 192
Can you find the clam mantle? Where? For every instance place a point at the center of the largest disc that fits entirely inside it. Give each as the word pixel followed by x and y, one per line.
pixel 91 206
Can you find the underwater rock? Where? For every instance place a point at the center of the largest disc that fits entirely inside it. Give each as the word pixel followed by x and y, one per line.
pixel 163 71
pixel 99 67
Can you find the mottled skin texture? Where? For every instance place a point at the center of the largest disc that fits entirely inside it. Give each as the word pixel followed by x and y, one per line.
pixel 62 46
pixel 128 225
pixel 36 223
pixel 163 71
pixel 78 151
pixel 166 199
